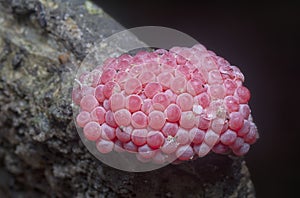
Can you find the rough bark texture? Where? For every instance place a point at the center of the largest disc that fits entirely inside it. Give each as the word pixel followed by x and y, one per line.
pixel 41 154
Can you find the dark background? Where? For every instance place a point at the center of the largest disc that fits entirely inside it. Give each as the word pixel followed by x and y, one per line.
pixel 261 40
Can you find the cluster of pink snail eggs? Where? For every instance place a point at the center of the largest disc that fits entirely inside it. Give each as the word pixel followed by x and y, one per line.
pixel 182 102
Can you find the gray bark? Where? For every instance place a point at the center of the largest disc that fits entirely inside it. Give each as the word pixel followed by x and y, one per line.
pixel 41 154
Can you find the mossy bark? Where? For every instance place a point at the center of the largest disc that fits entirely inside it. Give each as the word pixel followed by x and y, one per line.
pixel 41 155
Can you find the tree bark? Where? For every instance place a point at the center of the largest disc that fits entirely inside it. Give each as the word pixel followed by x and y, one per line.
pixel 41 154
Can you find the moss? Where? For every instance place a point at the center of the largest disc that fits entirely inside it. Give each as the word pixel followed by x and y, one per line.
pixel 92 8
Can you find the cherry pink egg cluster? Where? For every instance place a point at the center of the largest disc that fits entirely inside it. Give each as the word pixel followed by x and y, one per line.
pixel 184 102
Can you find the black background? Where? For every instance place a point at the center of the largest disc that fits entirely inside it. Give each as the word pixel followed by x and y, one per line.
pixel 261 39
